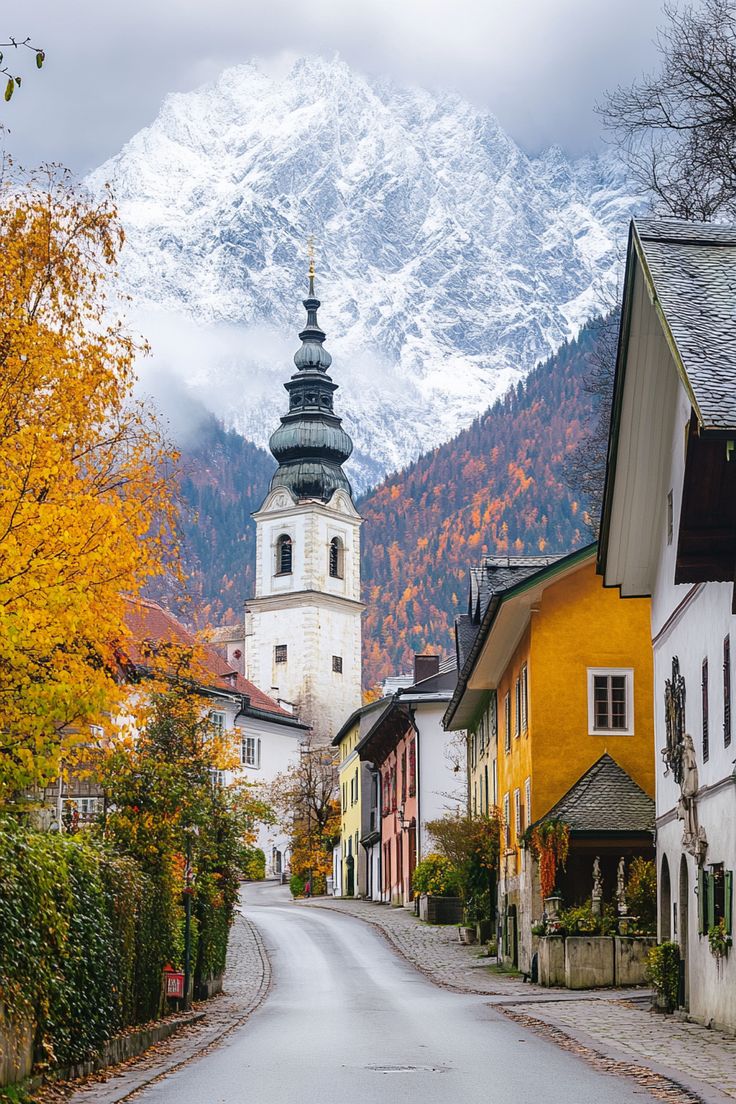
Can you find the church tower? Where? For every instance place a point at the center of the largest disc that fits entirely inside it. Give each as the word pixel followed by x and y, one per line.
pixel 303 626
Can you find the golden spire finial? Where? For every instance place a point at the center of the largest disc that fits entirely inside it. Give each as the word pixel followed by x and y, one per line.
pixel 311 273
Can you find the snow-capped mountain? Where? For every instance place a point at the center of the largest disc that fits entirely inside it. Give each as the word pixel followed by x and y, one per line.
pixel 449 263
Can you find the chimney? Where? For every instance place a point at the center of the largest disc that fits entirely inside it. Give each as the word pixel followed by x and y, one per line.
pixel 425 666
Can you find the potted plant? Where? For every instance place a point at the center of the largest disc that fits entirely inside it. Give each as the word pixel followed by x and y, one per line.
pixel 437 884
pixel 719 940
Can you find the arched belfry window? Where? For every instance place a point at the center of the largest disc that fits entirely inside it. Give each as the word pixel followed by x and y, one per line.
pixel 284 553
pixel 336 558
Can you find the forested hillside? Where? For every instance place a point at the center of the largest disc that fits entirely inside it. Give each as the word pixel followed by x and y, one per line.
pixel 498 487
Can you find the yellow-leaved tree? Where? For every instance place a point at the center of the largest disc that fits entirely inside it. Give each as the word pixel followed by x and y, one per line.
pixel 85 478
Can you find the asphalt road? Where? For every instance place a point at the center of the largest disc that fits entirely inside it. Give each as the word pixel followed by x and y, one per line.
pixel 349 1022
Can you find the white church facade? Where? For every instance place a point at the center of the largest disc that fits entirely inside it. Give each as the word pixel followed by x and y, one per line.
pixel 301 639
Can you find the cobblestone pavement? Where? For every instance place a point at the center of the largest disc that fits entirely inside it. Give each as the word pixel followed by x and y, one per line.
pixel 614 1029
pixel 247 981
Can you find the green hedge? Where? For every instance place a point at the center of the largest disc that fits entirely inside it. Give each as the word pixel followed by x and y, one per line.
pixel 85 936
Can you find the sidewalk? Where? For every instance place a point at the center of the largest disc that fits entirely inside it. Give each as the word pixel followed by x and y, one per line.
pixel 247 981
pixel 613 1028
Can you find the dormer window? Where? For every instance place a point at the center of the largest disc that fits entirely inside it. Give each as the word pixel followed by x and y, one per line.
pixel 284 555
pixel 336 558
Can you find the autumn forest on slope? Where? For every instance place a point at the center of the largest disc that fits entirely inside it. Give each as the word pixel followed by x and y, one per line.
pixel 498 488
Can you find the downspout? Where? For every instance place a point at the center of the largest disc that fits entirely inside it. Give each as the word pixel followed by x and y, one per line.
pixel 417 775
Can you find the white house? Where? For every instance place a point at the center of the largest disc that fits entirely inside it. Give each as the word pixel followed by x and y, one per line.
pixel 669 530
pixel 268 736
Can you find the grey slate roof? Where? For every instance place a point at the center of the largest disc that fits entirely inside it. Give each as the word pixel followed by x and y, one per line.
pixel 693 268
pixel 605 799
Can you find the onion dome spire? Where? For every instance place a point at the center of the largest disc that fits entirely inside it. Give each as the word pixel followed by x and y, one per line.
pixel 310 444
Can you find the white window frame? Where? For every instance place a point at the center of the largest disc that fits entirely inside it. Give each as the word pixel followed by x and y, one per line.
pixel 527 803
pixel 218 720
pixel 517 707
pixel 611 671
pixel 524 697
pixel 517 812
pixel 507 721
pixel 507 819
pixel 245 760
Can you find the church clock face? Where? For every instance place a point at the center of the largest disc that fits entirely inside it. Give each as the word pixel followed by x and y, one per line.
pixel 674 715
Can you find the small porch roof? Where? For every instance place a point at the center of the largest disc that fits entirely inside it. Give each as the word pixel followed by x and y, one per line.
pixel 605 801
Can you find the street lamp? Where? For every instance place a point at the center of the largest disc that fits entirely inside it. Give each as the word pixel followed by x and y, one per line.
pixel 191 832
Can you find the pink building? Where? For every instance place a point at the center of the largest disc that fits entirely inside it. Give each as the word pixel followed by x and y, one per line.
pixel 409 748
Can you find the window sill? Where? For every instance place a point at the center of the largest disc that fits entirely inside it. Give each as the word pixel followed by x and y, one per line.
pixel 282 574
pixel 610 732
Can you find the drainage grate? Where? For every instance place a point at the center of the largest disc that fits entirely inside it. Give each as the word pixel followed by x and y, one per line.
pixel 407 1069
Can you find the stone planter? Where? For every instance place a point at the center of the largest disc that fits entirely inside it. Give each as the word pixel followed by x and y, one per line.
pixel 483 930
pixel 589 961
pixel 440 910
pixel 551 960
pixel 467 935
pixel 631 955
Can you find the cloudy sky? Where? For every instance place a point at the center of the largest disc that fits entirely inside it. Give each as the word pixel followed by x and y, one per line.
pixel 539 65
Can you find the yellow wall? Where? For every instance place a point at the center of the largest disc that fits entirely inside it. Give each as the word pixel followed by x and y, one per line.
pixel 578 625
pixel 350 810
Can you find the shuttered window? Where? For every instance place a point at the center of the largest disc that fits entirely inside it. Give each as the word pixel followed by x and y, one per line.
pixel 704 698
pixel 727 691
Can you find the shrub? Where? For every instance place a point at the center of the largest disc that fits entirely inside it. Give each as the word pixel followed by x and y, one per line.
pixel 254 866
pixel 641 894
pixel 296 885
pixel 437 877
pixel 663 973
pixel 472 846
pixel 581 920
pixel 85 937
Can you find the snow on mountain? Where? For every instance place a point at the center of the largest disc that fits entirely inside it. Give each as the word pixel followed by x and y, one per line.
pixel 449 263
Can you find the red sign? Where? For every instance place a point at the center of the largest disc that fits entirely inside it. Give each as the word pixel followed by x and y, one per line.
pixel 174 983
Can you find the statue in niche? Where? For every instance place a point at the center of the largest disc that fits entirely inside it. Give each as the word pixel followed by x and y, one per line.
pixel 679 757
pixel 597 887
pixel 694 839
pixel 621 886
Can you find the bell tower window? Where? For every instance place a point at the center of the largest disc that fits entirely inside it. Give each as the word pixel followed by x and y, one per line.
pixel 284 555
pixel 336 558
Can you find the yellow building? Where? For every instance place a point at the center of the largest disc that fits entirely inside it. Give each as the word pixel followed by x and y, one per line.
pixel 345 873
pixel 555 692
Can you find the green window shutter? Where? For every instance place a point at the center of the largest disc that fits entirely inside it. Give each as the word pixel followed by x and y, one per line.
pixel 728 898
pixel 711 914
pixel 702 903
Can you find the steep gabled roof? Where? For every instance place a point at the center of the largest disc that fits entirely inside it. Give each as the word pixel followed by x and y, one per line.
pixel 149 623
pixel 678 333
pixel 605 800
pixel 692 271
pixel 505 576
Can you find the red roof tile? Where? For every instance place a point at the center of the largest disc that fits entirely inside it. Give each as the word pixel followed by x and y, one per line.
pixel 148 621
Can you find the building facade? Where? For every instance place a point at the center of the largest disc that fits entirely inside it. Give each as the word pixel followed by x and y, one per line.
pixel 669 530
pixel 266 737
pixel 420 778
pixel 558 676
pixel 303 624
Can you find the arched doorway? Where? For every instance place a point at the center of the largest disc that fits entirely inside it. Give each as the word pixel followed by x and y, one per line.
pixel 683 910
pixel 665 901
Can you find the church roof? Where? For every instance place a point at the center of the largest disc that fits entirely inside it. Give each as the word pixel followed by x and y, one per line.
pixel 310 445
pixel 150 624
pixel 605 800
